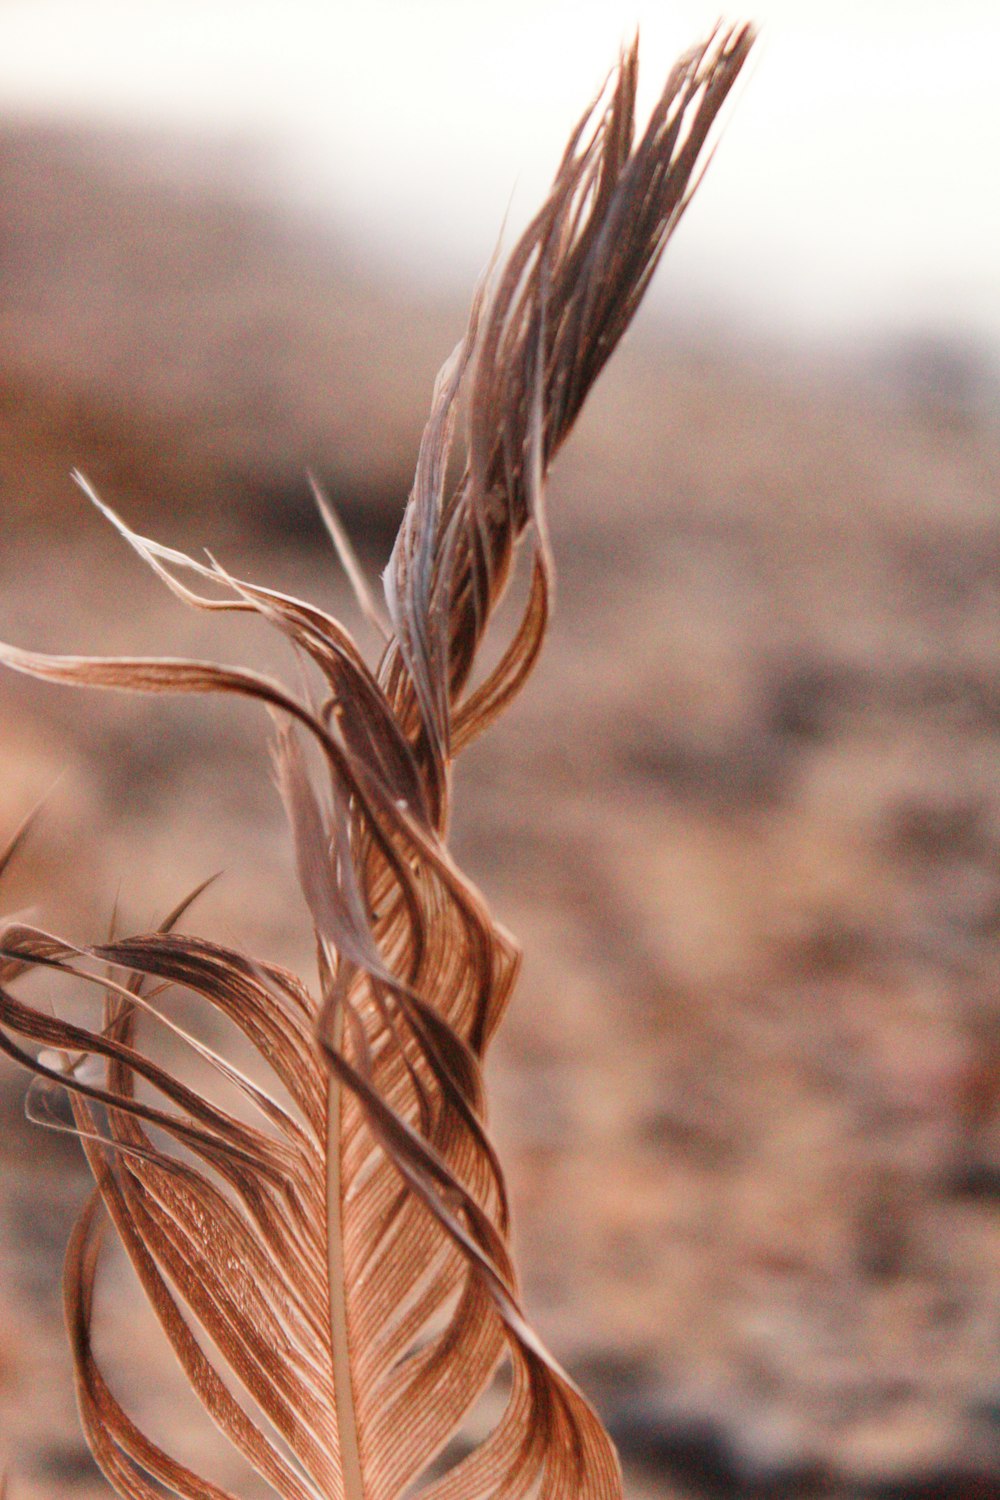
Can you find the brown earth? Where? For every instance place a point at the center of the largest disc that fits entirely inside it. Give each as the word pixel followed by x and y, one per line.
pixel 745 821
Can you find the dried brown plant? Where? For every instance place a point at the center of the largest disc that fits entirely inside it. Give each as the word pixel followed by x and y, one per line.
pixel 337 1249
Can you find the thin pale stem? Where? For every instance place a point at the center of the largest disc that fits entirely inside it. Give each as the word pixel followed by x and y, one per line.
pixel 347 1423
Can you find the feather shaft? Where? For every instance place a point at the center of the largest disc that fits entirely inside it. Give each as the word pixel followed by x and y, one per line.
pixel 350 1448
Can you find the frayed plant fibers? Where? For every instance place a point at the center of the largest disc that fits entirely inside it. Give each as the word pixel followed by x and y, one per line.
pixel 336 1250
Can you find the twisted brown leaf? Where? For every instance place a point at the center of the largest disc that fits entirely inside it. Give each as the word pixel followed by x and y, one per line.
pixel 335 1249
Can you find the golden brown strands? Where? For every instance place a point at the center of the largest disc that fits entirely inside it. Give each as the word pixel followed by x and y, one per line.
pixel 343 1240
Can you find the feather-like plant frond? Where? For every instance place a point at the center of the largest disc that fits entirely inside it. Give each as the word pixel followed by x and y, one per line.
pixel 328 1254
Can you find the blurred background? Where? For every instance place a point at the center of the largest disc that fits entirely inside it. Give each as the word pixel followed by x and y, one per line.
pixel 746 818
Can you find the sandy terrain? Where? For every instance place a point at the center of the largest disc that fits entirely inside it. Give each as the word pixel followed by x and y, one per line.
pixel 745 820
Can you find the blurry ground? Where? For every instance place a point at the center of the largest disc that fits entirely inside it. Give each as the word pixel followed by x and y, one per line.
pixel 746 822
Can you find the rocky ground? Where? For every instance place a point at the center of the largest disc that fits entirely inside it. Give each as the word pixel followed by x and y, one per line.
pixel 745 821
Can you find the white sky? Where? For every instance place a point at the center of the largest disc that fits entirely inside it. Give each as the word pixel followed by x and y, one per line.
pixel 857 187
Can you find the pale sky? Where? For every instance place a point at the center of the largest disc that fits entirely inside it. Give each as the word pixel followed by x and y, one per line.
pixel 856 188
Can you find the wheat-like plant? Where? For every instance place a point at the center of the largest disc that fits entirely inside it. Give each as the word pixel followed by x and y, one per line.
pixel 336 1249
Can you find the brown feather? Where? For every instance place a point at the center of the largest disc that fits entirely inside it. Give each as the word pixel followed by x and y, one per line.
pixel 346 1251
